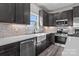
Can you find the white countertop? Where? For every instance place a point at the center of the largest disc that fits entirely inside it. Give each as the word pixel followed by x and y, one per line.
pixel 71 47
pixel 8 40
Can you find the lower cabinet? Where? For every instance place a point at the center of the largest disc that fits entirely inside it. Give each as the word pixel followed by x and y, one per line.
pixel 41 46
pixel 10 50
pixel 27 47
pixel 50 39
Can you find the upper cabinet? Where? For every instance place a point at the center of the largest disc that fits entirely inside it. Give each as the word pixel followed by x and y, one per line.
pixel 60 15
pixel 7 12
pixel 70 17
pixel 23 13
pixel 27 13
pixel 64 15
pixel 76 11
pixel 45 19
pixel 15 13
pixel 52 21
pixel 19 13
pixel 57 16
pixel 45 16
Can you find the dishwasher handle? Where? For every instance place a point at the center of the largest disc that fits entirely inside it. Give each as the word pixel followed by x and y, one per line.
pixel 26 41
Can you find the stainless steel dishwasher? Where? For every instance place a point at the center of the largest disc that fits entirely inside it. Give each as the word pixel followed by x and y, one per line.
pixel 27 47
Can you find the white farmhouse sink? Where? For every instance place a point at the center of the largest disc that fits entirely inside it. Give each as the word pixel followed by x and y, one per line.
pixel 40 34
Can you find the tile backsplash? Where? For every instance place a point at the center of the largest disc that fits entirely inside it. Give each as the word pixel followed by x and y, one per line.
pixel 50 29
pixel 7 29
pixel 53 29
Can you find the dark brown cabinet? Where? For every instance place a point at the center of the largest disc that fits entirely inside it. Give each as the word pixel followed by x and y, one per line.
pixel 45 19
pixel 18 13
pixel 27 13
pixel 50 39
pixel 45 16
pixel 61 15
pixel 7 12
pixel 70 17
pixel 76 11
pixel 57 16
pixel 52 21
pixel 64 15
pixel 23 13
pixel 10 50
pixel 41 46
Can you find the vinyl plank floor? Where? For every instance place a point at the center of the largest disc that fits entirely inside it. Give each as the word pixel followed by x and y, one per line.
pixel 59 52
pixel 53 50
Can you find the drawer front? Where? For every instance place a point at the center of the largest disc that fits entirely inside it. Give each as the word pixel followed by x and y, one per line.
pixel 10 49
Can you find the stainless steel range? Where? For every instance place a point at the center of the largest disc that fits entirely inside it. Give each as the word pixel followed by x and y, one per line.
pixel 60 38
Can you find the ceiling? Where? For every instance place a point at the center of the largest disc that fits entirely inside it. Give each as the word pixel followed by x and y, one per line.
pixel 53 6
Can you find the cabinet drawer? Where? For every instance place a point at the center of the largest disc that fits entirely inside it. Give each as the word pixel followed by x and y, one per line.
pixel 10 49
pixel 5 47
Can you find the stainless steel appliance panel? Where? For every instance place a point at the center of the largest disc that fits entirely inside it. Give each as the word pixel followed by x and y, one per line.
pixel 27 47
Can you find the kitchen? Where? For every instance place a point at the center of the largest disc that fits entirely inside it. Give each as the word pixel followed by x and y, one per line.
pixel 39 29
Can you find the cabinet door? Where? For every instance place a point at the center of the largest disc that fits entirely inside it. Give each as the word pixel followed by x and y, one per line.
pixel 19 13
pixel 27 13
pixel 10 50
pixel 23 13
pixel 45 19
pixel 52 21
pixel 50 39
pixel 63 15
pixel 7 12
pixel 76 11
pixel 56 16
pixel 41 46
pixel 70 17
pixel 45 16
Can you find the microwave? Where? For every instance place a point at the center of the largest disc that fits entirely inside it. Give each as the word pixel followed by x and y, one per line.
pixel 63 22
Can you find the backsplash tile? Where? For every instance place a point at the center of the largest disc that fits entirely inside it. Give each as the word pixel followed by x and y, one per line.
pixel 7 29
pixel 50 29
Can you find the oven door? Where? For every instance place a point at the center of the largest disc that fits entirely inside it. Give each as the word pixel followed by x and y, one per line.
pixel 60 39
